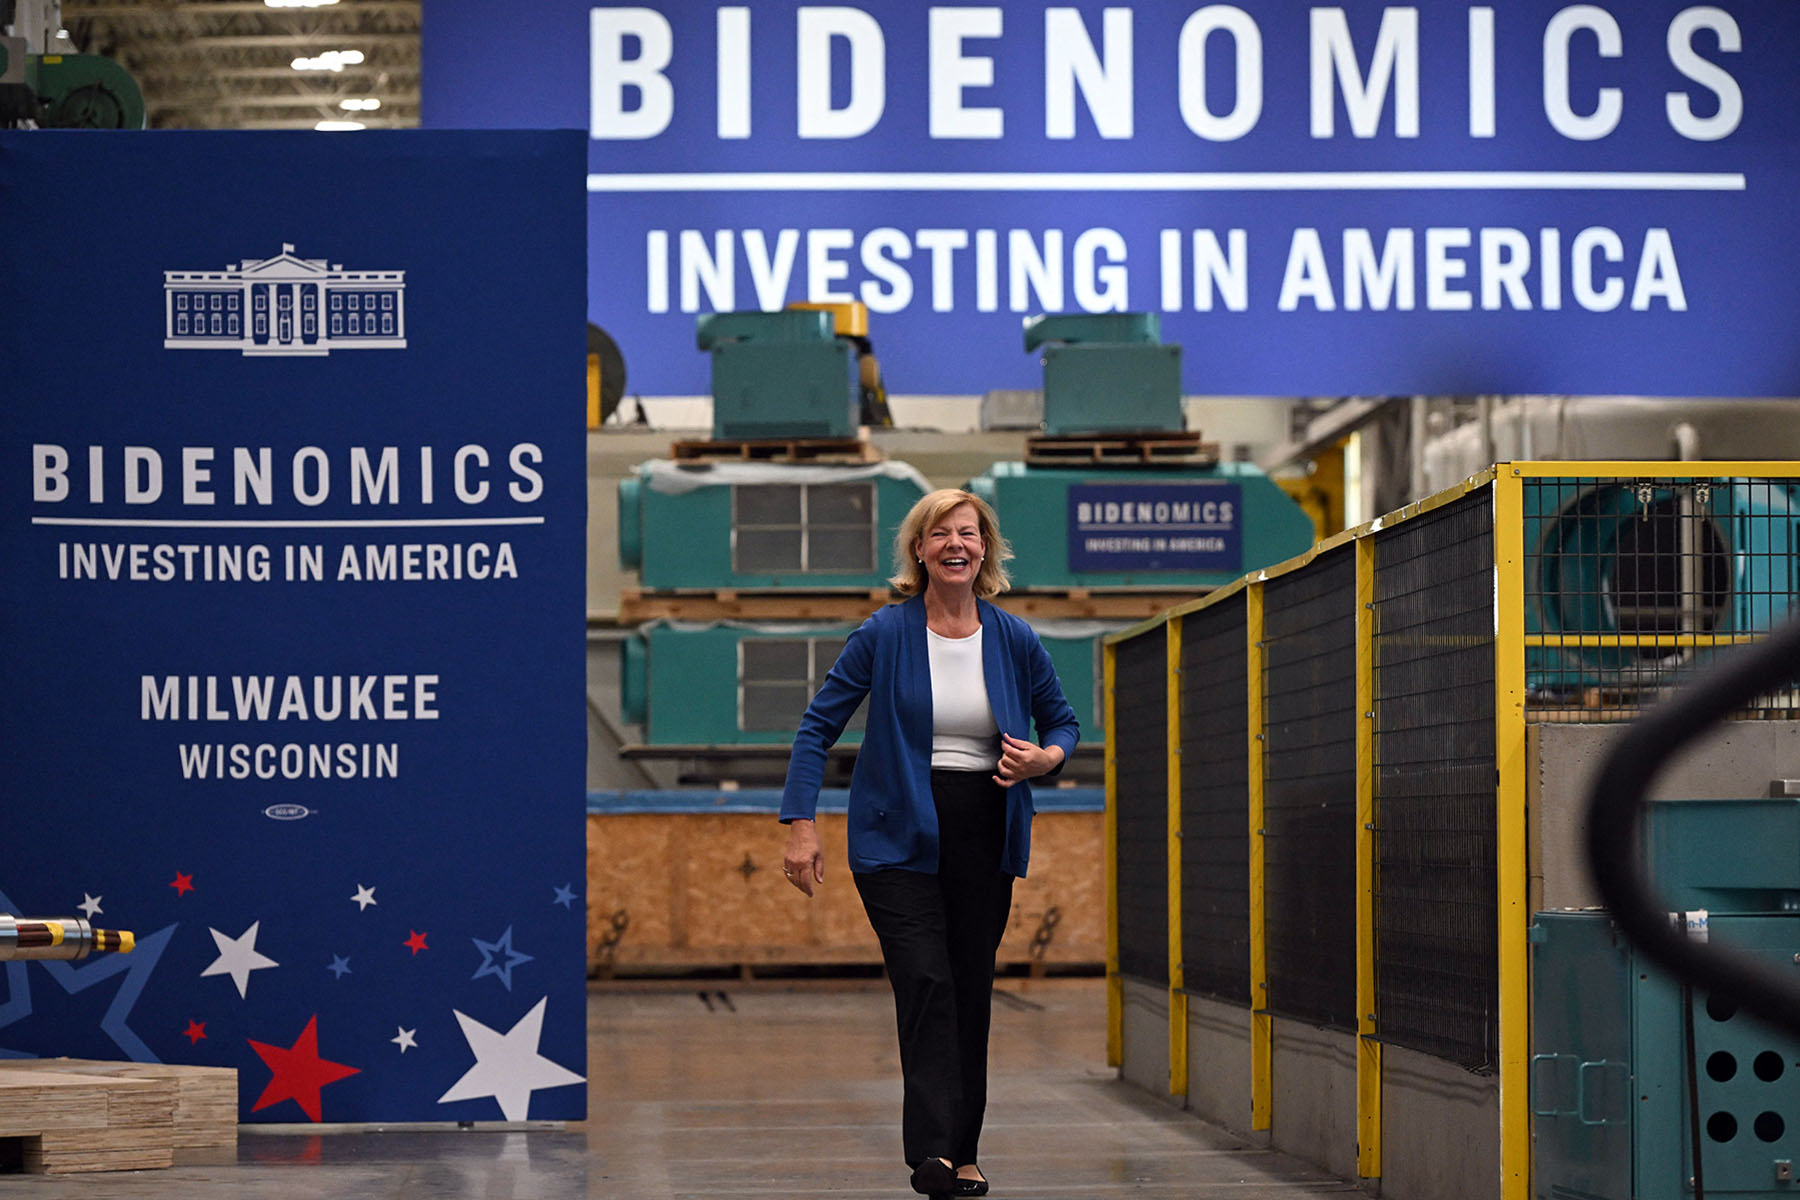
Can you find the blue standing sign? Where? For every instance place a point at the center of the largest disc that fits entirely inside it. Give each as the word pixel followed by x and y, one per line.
pixel 294 519
pixel 1162 526
pixel 1327 199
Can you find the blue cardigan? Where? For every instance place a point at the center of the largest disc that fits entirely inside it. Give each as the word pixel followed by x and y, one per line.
pixel 893 819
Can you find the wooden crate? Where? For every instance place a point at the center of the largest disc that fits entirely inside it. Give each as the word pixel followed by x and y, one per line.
pixel 674 891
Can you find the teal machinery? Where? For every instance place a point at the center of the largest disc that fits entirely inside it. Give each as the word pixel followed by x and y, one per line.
pixel 1136 525
pixel 779 374
pixel 781 527
pixel 1612 1109
pixel 702 527
pixel 1664 561
pixel 747 684
pixel 763 525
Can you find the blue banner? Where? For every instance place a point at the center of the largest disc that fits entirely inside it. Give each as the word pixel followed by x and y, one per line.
pixel 1527 196
pixel 1195 526
pixel 293 525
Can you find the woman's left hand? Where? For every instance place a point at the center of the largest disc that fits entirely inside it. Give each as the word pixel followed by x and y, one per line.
pixel 1020 759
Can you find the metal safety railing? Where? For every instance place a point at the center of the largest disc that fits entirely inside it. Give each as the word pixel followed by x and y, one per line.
pixel 1318 772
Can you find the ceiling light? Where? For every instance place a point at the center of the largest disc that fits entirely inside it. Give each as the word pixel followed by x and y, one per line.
pixel 298 3
pixel 331 60
pixel 338 126
pixel 362 104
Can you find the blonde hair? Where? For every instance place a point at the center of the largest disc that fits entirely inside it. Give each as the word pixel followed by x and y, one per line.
pixel 909 574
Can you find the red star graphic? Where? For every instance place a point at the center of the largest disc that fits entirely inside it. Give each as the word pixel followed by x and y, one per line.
pixel 299 1072
pixel 195 1033
pixel 183 884
pixel 416 941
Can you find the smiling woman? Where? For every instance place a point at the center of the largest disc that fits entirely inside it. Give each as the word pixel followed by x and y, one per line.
pixel 928 526
pixel 940 807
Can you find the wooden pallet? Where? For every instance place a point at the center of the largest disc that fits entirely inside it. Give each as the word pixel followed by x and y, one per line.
pixel 788 450
pixel 726 604
pixel 1090 604
pixel 1121 450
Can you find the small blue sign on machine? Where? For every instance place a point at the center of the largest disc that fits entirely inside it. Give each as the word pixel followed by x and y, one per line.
pixel 1186 526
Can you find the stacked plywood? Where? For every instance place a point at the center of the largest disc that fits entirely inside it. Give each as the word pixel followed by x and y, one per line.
pixel 678 891
pixel 70 1123
pixel 72 1115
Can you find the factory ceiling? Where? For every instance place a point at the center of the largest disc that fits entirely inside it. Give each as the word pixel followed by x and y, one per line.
pixel 231 64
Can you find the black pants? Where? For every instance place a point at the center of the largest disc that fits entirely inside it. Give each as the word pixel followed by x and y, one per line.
pixel 938 937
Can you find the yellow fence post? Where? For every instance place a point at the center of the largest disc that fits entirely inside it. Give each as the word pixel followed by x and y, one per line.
pixel 593 391
pixel 1368 1048
pixel 1115 987
pixel 1510 834
pixel 1261 1024
pixel 1178 1025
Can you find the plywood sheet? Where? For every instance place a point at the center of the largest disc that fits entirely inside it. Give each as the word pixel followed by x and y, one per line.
pixel 686 890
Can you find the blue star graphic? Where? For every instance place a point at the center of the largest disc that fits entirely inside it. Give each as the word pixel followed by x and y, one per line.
pixel 502 970
pixel 340 966
pixel 565 896
pixel 135 966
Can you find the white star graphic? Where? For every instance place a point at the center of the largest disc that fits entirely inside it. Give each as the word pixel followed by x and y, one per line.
pixel 90 905
pixel 364 897
pixel 508 1066
pixel 405 1040
pixel 238 957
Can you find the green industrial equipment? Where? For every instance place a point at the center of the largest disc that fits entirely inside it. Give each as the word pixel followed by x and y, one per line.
pixel 1610 1103
pixel 726 684
pixel 780 375
pixel 1106 372
pixel 1190 528
pixel 67 91
pixel 763 525
pixel 1132 521
pixel 742 684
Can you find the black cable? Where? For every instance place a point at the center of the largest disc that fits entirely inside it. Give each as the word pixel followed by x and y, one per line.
pixel 1693 1087
pixel 1615 818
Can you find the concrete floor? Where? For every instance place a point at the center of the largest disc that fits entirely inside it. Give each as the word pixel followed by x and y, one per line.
pixel 761 1091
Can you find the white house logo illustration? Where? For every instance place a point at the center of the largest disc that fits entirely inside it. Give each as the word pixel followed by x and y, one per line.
pixel 284 305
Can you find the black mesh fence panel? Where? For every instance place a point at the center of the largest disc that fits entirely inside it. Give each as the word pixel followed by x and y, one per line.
pixel 1632 582
pixel 1141 741
pixel 1437 964
pixel 1309 790
pixel 1215 832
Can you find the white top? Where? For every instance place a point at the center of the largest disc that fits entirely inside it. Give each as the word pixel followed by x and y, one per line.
pixel 964 736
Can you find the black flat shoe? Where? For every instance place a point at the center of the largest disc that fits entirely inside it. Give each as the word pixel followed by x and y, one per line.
pixel 934 1177
pixel 971 1187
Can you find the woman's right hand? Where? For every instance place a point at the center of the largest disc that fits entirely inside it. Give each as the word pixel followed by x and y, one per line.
pixel 804 862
